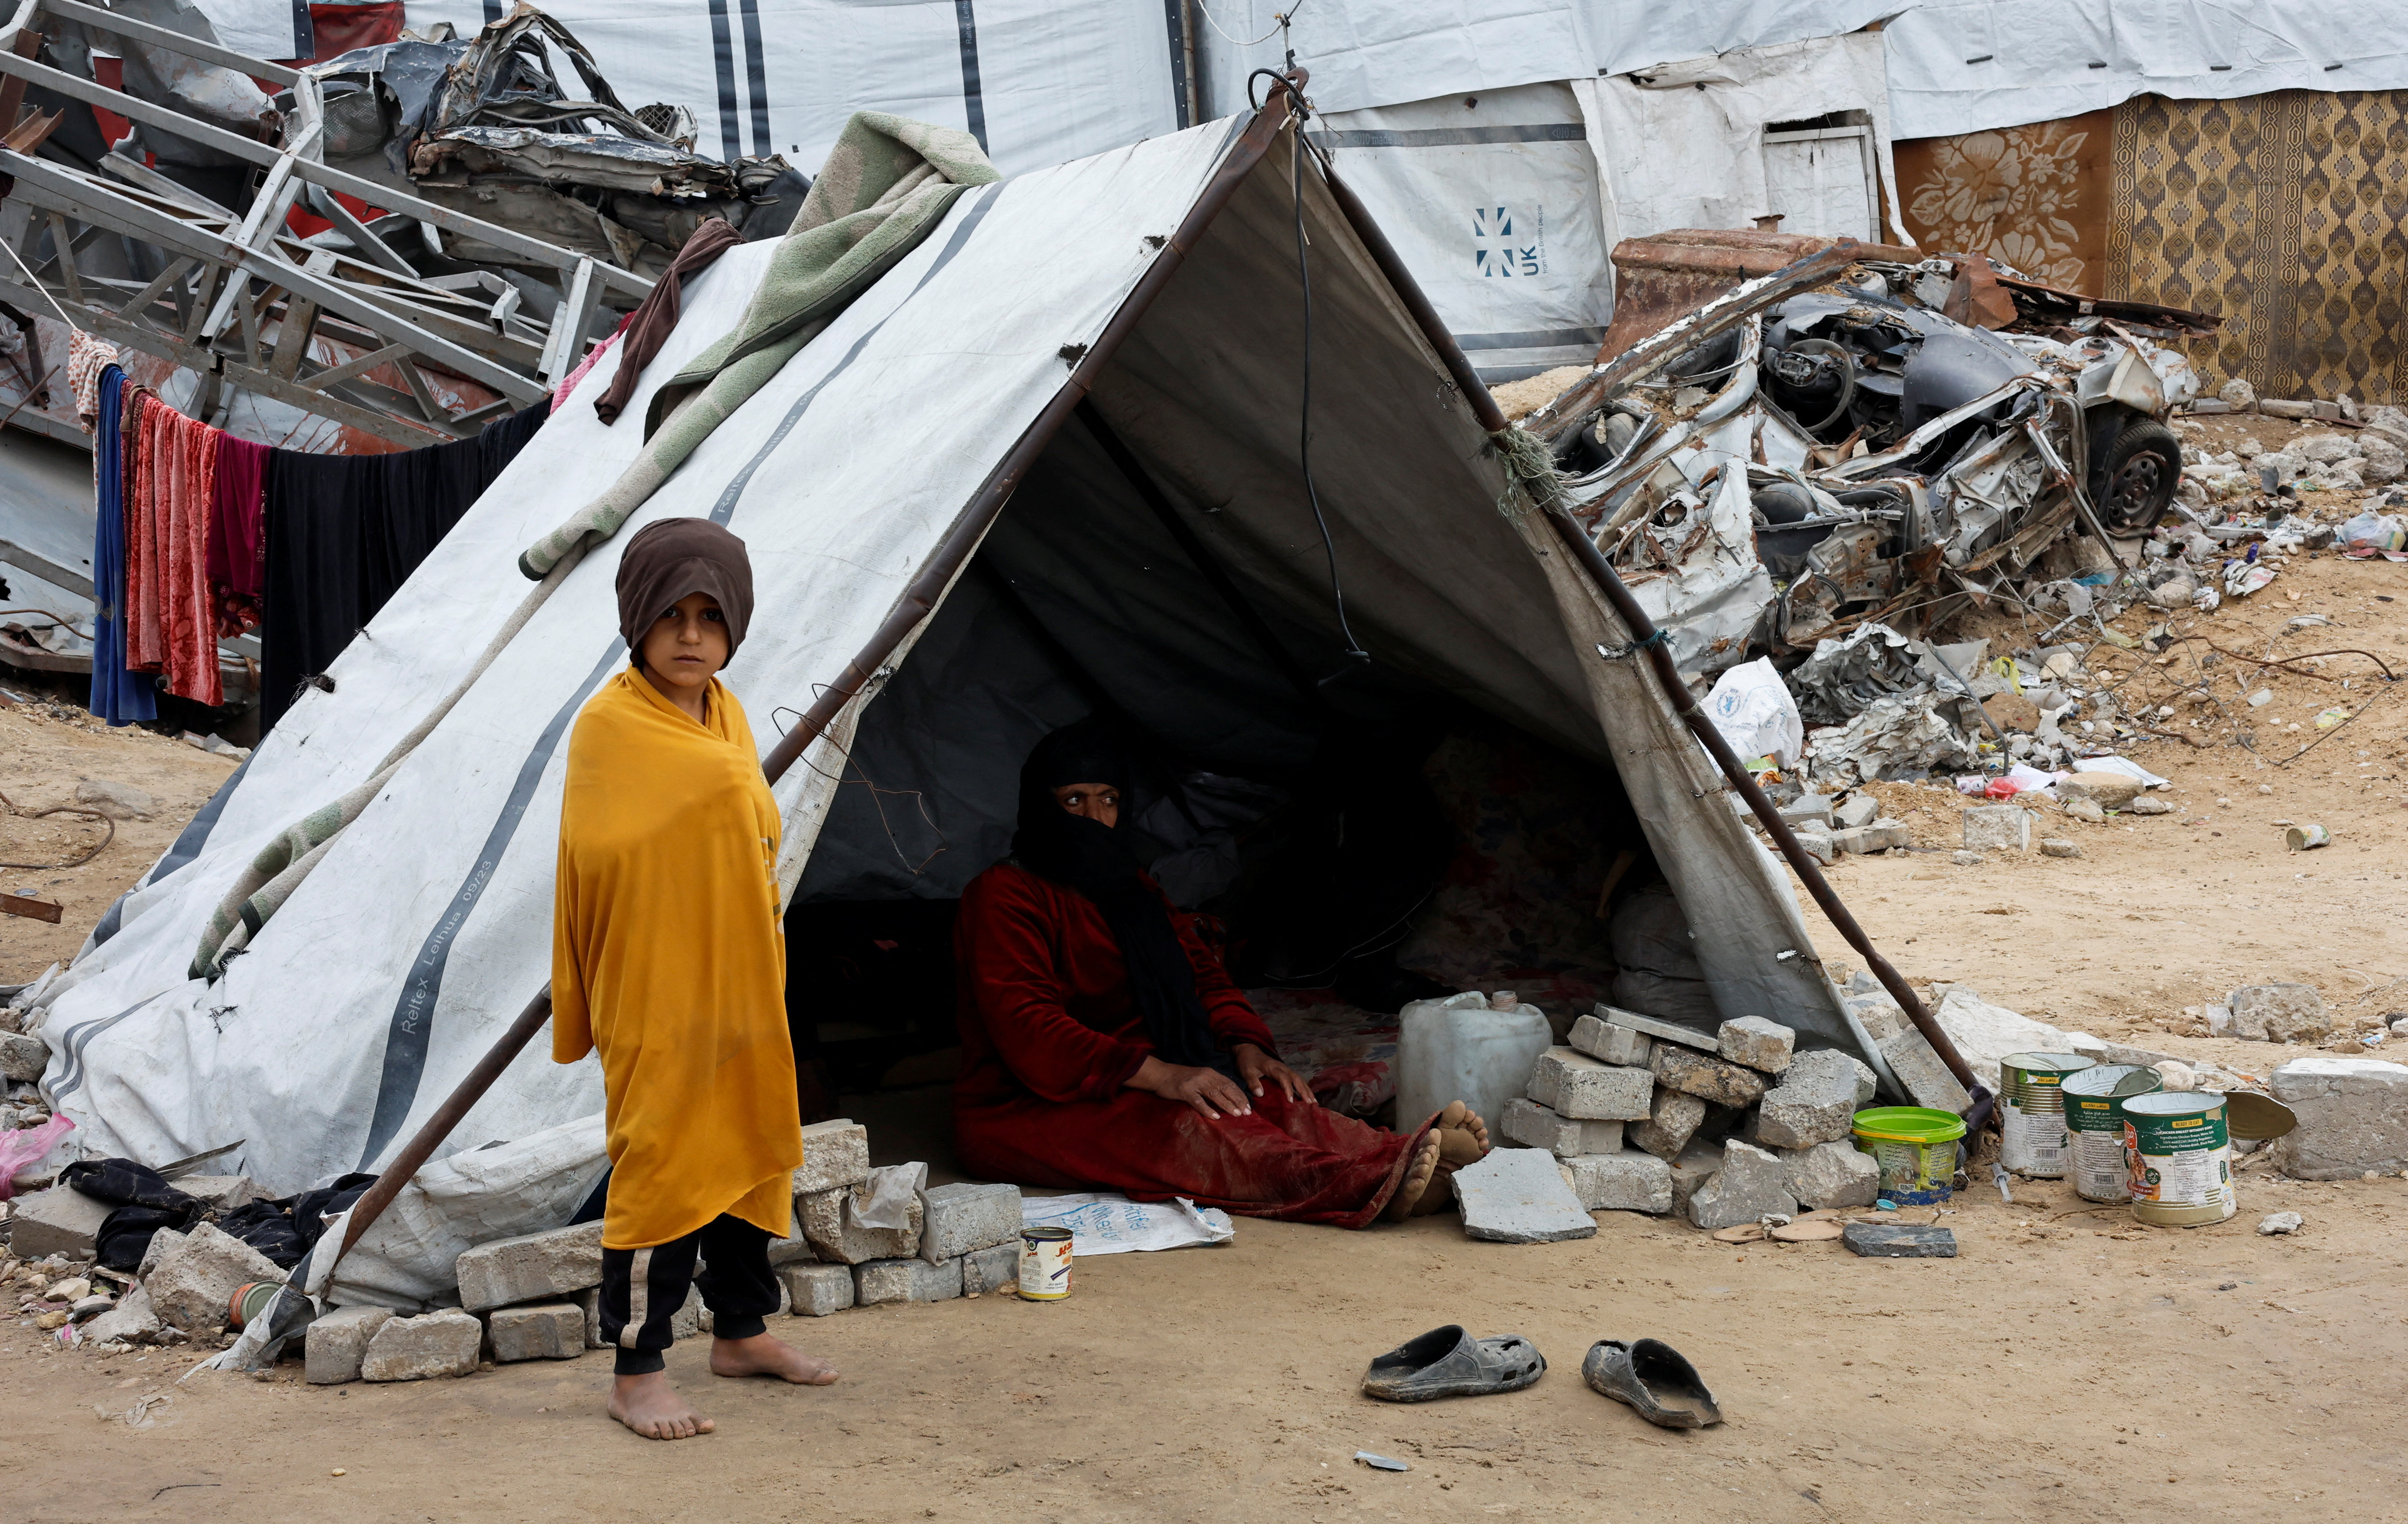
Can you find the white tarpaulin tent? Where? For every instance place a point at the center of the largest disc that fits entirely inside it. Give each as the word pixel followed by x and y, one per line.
pixel 852 475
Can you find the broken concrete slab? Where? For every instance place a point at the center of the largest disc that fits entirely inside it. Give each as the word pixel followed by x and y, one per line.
pixel 965 1218
pixel 2279 1013
pixel 59 1221
pixel 1897 1241
pixel 1693 1167
pixel 787 1251
pixel 1750 1184
pixel 22 1058
pixel 1518 1196
pixel 2353 1117
pixel 192 1287
pixel 164 1242
pixel 1927 1080
pixel 1657 1027
pixel 1623 1181
pixel 1611 1044
pixel 1817 845
pixel 336 1341
pixel 1574 1084
pixel 531 1267
pixel 906 1280
pixel 1881 836
pixel 1832 1175
pixel 1763 1046
pixel 545 1330
pixel 1717 1079
pixel 1855 811
pixel 840 1240
pixel 421 1349
pixel 1984 1034
pixel 991 1270
pixel 1673 1120
pixel 835 1153
pixel 221 1192
pixel 2107 790
pixel 1815 1104
pixel 1525 1122
pixel 2005 827
pixel 814 1290
pixel 1877 1012
pixel 2059 847
pixel 132 1321
pixel 1808 808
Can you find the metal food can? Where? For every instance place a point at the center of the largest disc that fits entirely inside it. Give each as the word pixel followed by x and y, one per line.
pixel 2182 1159
pixel 2031 1112
pixel 2305 837
pixel 2094 1123
pixel 1044 1264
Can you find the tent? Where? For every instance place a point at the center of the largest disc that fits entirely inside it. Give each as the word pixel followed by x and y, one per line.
pixel 924 451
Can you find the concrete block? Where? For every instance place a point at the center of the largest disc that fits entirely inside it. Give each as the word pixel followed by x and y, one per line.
pixel 991 1270
pixel 59 1221
pixel 1855 811
pixel 1533 1126
pixel 589 1301
pixel 164 1242
pixel 441 1343
pixel 1927 1079
pixel 531 1267
pixel 1657 1027
pixel 817 1291
pixel 1750 1184
pixel 2279 1014
pixel 1815 1102
pixel 1818 846
pixel 2107 790
pixel 1574 1084
pixel 1763 1046
pixel 906 1280
pixel 1673 1120
pixel 1806 808
pixel 691 1318
pixel 1832 1174
pixel 23 1056
pixel 1717 1079
pixel 132 1321
pixel 2059 847
pixel 964 1218
pixel 334 1345
pixel 1881 836
pixel 840 1240
pixel 1624 1181
pixel 1897 1241
pixel 835 1153
pixel 788 1251
pixel 222 1192
pixel 547 1331
pixel 1694 1165
pixel 1519 1196
pixel 2005 827
pixel 2352 1117
pixel 1877 1012
pixel 1610 1045
pixel 194 1286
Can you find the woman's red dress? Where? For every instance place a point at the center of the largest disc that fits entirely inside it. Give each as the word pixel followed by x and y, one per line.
pixel 1050 1036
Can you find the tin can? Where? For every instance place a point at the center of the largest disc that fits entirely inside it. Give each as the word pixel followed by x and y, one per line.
pixel 2304 838
pixel 2094 1122
pixel 251 1299
pixel 2182 1159
pixel 2031 1112
pixel 1044 1264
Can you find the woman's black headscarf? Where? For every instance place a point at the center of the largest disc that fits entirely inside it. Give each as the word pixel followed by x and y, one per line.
pixel 1094 859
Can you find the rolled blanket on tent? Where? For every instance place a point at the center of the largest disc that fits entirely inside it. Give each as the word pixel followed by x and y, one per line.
pixel 886 185
pixel 275 872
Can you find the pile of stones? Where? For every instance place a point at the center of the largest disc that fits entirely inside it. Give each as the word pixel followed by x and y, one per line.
pixel 1649 1115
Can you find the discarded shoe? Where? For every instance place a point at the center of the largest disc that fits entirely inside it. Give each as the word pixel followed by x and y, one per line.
pixel 1450 1362
pixel 1653 1378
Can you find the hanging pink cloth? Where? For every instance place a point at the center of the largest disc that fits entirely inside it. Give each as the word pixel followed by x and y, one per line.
pixel 145 645
pixel 237 544
pixel 189 610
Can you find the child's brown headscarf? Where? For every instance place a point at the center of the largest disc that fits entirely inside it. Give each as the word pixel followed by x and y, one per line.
pixel 667 560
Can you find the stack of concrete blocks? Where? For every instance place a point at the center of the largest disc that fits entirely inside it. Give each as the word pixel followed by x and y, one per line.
pixel 1622 1107
pixel 957 1240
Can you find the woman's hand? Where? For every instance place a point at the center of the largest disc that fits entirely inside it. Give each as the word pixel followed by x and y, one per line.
pixel 1212 1093
pixel 1255 1065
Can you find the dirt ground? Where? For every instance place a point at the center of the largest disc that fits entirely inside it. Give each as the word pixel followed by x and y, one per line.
pixel 2068 1362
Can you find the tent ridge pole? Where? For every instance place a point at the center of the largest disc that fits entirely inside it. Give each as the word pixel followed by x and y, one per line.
pixel 1649 638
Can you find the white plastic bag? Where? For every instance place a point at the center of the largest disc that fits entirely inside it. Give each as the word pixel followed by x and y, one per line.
pixel 1752 707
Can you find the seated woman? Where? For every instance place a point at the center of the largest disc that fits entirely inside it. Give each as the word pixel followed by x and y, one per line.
pixel 1104 1046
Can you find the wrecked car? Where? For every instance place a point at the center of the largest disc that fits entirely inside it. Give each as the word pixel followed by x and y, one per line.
pixel 1860 435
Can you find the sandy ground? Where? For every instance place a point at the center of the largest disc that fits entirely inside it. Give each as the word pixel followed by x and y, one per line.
pixel 2067 1363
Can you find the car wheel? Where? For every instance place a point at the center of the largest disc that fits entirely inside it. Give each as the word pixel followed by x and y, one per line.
pixel 2135 480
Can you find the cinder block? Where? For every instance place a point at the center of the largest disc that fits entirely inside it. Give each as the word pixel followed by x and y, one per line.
pixel 788 1251
pixel 1674 1120
pixel 548 1330
pixel 336 1341
pixel 827 1222
pixel 2352 1117
pixel 1762 1045
pixel 1626 1181
pixel 835 1153
pixel 59 1221
pixel 22 1058
pixel 1656 1028
pixel 1611 1044
pixel 1574 1084
pixel 964 1218
pixel 906 1280
pixel 441 1343
pixel 193 1286
pixel 2005 827
pixel 1533 1126
pixel 1927 1079
pixel 1717 1079
pixel 1750 1184
pixel 1815 1102
pixel 1881 836
pixel 991 1270
pixel 817 1291
pixel 531 1267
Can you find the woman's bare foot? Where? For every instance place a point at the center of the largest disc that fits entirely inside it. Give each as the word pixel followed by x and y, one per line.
pixel 1463 1136
pixel 767 1355
pixel 1418 1175
pixel 651 1407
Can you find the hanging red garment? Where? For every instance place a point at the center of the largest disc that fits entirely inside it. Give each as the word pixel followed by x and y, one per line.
pixel 146 644
pixel 238 547
pixel 1050 1036
pixel 189 610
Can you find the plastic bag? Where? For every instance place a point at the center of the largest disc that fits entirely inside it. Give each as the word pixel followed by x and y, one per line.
pixel 27 1146
pixel 884 1200
pixel 1750 706
pixel 2373 534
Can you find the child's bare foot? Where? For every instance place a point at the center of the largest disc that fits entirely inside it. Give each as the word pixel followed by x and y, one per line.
pixel 1463 1136
pixel 767 1355
pixel 1418 1175
pixel 651 1407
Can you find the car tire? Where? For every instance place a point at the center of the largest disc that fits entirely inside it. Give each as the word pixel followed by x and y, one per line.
pixel 2133 480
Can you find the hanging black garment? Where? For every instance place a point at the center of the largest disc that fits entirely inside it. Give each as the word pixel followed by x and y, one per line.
pixel 344 532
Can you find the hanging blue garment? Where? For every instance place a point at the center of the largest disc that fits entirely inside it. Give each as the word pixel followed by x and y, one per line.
pixel 118 696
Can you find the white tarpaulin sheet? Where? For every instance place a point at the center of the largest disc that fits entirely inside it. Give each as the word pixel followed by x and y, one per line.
pixel 1103 1222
